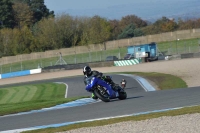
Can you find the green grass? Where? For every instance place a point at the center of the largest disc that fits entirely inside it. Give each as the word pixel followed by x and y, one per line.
pixel 163 81
pixel 169 47
pixel 180 46
pixel 32 97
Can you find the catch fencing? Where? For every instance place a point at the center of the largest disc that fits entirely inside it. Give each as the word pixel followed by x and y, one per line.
pixel 115 44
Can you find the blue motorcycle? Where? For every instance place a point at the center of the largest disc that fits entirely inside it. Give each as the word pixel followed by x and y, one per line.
pixel 105 91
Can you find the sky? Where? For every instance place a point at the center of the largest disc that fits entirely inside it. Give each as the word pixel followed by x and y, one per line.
pixel 116 9
pixel 83 4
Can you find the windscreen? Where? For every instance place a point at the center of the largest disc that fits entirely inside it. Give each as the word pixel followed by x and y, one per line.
pixel 127 55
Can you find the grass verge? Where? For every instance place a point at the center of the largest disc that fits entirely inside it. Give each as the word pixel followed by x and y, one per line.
pixel 163 81
pixel 32 97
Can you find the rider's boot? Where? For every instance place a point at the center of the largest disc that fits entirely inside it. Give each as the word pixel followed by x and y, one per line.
pixel 94 96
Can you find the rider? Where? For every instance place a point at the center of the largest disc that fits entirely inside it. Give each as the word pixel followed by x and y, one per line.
pixel 89 74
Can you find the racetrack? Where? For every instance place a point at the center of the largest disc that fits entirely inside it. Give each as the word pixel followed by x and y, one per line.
pixel 138 100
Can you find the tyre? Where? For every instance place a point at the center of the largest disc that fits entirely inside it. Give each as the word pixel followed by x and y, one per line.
pixel 122 95
pixel 102 94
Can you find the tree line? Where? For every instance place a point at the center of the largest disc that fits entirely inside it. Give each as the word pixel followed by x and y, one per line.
pixel 29 26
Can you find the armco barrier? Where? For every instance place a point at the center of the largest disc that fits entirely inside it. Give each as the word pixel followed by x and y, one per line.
pixel 126 62
pixel 63 67
pixel 20 73
pixel 69 67
pixel 187 55
pixel 77 66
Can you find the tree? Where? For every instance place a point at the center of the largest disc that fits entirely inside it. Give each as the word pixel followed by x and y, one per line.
pixel 66 26
pixel 40 10
pixel 115 28
pixel 138 22
pixel 99 30
pixel 138 32
pixel 149 30
pixel 6 14
pixel 23 15
pixel 1 44
pixel 165 25
pixel 55 33
pixel 85 27
pixel 46 33
pixel 6 42
pixel 169 26
pixel 128 32
pixel 188 24
pixel 22 40
pixel 77 30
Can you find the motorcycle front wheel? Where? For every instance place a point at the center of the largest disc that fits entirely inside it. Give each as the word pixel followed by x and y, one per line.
pixel 102 94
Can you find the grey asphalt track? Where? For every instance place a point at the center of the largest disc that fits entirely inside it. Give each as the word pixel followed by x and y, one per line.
pixel 138 101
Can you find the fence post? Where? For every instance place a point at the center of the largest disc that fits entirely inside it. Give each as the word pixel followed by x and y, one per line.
pixel 101 54
pixel 199 45
pixel 75 58
pixel 185 47
pixel 1 68
pixel 119 53
pixel 40 62
pixel 21 63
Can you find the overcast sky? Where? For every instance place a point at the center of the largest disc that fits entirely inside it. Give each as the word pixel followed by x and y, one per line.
pixel 115 9
pixel 84 4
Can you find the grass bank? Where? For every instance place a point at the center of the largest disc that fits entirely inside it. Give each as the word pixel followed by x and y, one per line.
pixel 32 97
pixel 162 81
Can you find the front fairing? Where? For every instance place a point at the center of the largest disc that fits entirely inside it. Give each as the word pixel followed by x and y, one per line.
pixel 95 81
pixel 88 80
pixel 91 83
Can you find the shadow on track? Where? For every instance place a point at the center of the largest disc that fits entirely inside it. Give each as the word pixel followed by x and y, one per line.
pixel 115 100
pixel 134 97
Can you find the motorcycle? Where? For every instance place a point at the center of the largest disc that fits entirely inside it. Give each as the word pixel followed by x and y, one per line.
pixel 102 93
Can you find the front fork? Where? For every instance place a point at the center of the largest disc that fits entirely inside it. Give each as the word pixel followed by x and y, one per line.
pixel 102 91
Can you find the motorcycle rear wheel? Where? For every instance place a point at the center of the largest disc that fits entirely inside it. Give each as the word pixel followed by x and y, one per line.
pixel 122 95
